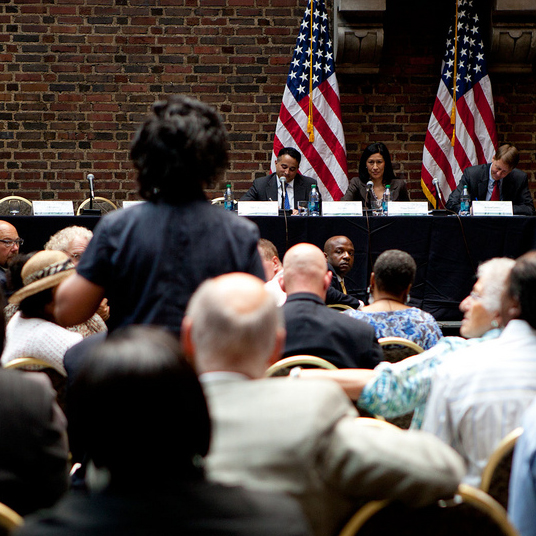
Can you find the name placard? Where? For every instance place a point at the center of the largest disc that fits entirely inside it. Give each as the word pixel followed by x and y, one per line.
pixel 53 208
pixel 127 204
pixel 258 208
pixel 342 208
pixel 492 208
pixel 407 208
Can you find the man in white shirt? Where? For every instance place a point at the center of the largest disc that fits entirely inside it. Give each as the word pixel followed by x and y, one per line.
pixel 481 393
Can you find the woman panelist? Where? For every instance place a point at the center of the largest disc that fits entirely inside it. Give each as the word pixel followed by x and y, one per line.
pixel 375 165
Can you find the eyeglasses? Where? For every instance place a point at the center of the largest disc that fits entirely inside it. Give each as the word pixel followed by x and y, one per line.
pixel 10 243
pixel 475 295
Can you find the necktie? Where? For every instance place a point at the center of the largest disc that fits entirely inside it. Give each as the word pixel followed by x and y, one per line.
pixel 496 194
pixel 287 204
pixel 343 287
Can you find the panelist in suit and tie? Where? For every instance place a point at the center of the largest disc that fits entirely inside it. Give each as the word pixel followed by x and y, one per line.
pixel 297 187
pixel 498 181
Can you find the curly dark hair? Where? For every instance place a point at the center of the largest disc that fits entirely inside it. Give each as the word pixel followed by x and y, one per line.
pixel 179 150
pixel 394 271
pixel 522 286
pixel 375 148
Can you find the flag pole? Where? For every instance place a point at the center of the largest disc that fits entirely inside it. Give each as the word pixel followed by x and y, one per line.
pixel 453 113
pixel 310 127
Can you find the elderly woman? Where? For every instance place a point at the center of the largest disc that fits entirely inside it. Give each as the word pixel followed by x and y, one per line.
pixel 33 332
pixel 375 165
pixel 396 389
pixel 390 282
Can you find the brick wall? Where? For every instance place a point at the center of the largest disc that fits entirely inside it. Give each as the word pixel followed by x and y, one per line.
pixel 78 76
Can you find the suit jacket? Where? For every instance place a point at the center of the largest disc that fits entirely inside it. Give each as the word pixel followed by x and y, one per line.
pixel 357 191
pixel 33 443
pixel 515 188
pixel 190 508
pixel 314 329
pixel 265 189
pixel 302 437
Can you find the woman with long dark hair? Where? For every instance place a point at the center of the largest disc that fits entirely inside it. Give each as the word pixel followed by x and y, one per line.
pixel 375 165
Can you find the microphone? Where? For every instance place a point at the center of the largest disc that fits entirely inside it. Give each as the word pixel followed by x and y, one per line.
pixel 90 179
pixel 435 182
pixel 91 211
pixel 368 197
pixel 282 193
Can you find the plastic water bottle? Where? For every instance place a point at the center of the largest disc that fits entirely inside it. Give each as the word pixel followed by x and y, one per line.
pixel 228 201
pixel 386 199
pixel 465 203
pixel 314 201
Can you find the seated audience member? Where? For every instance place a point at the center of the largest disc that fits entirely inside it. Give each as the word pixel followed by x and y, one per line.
pixel 392 390
pixel 314 329
pixel 297 437
pixel 375 165
pixel 273 270
pixel 33 440
pixel 33 332
pixel 73 241
pixel 481 393
pixel 339 252
pixel 149 259
pixel 390 283
pixel 9 247
pixel 139 412
pixel 498 181
pixel 269 188
pixel 522 490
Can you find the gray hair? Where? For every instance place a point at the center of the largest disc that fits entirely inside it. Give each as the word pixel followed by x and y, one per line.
pixel 62 240
pixel 225 331
pixel 493 275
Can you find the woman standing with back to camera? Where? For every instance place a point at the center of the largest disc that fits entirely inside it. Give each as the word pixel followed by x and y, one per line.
pixel 375 165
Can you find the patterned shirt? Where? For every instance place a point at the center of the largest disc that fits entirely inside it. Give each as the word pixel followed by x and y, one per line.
pixel 399 388
pixel 413 324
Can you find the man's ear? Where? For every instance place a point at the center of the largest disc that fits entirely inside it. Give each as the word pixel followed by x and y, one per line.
pixel 279 346
pixel 327 279
pixel 188 346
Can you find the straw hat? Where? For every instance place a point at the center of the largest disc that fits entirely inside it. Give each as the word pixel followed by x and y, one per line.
pixel 46 269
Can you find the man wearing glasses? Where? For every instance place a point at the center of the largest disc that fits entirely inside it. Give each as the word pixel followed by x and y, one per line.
pixel 9 247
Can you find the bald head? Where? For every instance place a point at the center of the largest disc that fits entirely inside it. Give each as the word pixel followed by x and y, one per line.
pixel 306 270
pixel 232 323
pixel 7 251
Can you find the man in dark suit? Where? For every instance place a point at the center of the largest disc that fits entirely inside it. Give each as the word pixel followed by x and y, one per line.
pixel 498 181
pixel 313 328
pixel 339 252
pixel 297 187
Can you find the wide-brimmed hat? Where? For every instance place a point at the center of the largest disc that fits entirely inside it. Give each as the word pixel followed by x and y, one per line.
pixel 45 269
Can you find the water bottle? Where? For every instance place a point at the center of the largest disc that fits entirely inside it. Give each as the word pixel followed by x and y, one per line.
pixel 314 201
pixel 228 201
pixel 465 203
pixel 386 199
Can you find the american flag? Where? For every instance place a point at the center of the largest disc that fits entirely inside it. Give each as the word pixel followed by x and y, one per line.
pixel 310 115
pixel 461 131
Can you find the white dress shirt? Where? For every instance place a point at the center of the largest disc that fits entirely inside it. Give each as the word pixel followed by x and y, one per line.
pixel 480 394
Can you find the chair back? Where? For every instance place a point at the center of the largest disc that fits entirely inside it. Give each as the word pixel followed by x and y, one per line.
pixel 496 474
pixel 397 348
pixel 32 364
pixel 341 307
pixel 14 205
pixel 99 203
pixel 283 366
pixel 471 513
pixel 9 520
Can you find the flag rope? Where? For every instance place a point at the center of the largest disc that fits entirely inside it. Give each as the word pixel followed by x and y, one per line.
pixel 310 127
pixel 454 81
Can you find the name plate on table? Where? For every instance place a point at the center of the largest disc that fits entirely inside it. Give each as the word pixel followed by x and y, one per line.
pixel 407 208
pixel 53 208
pixel 342 208
pixel 258 208
pixel 127 204
pixel 492 208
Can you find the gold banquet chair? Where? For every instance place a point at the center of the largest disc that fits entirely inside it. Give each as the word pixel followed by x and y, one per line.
pixel 100 203
pixel 283 366
pixel 397 348
pixel 9 520
pixel 496 474
pixel 14 205
pixel 471 513
pixel 341 307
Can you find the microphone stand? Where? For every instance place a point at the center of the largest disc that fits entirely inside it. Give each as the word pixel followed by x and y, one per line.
pixel 91 211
